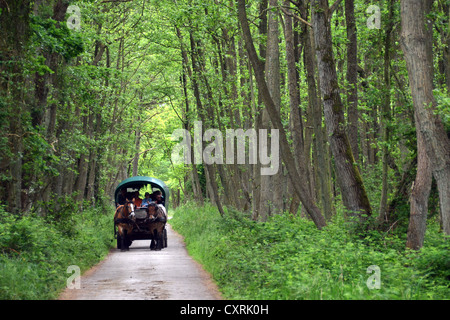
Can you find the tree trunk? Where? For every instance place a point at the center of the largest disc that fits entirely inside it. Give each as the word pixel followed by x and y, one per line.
pixel 53 60
pixel 14 37
pixel 419 198
pixel 349 179
pixel 196 57
pixel 352 77
pixel 295 120
pixel 386 115
pixel 286 152
pixel 137 147
pixel 445 38
pixel 271 184
pixel 272 57
pixel 198 193
pixel 83 163
pixel 258 123
pixel 416 41
pixel 320 141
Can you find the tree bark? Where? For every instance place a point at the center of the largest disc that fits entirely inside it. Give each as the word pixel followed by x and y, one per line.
pixel 286 152
pixel 416 37
pixel 198 193
pixel 256 183
pixel 271 184
pixel 59 11
pixel 196 54
pixel 320 141
pixel 14 37
pixel 419 198
pixel 137 147
pixel 266 204
pixel 354 195
pixel 352 77
pixel 83 164
pixel 386 115
pixel 445 38
pixel 295 120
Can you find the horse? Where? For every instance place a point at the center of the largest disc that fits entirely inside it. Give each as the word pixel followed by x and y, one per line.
pixel 156 223
pixel 124 223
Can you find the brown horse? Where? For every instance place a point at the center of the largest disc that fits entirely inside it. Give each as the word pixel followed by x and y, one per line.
pixel 124 223
pixel 157 222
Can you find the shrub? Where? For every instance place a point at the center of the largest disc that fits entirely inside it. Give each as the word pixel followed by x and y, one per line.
pixel 35 253
pixel 288 258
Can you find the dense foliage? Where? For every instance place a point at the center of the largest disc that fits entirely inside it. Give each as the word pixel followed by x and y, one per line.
pixel 35 252
pixel 288 258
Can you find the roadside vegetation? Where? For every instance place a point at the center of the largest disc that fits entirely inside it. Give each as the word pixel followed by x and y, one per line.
pixel 287 257
pixel 35 252
pixel 94 92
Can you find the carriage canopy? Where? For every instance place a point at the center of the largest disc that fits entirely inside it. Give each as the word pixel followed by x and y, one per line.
pixel 141 181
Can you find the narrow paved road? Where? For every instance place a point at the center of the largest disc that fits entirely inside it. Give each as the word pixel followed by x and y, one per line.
pixel 141 274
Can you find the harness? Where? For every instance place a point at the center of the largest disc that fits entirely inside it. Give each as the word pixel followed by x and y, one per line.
pixel 124 220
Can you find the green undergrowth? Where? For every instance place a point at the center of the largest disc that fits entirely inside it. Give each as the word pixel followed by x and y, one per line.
pixel 35 252
pixel 288 258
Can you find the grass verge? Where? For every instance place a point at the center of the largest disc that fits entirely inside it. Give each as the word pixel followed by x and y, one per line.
pixel 35 252
pixel 288 258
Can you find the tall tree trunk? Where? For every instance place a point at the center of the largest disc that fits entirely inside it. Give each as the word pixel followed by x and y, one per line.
pixel 416 41
pixel 198 193
pixel 266 198
pixel 14 37
pixel 320 140
pixel 137 147
pixel 445 38
pixel 419 198
pixel 258 124
pixel 295 120
pixel 352 77
pixel 238 177
pixel 386 114
pixel 53 60
pixel 286 152
pixel 271 184
pixel 349 179
pixel 246 89
pixel 83 164
pixel 196 58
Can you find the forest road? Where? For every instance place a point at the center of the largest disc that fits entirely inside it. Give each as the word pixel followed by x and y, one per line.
pixel 142 274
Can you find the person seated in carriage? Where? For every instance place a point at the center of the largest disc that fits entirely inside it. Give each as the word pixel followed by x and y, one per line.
pixel 146 201
pixel 137 200
pixel 157 197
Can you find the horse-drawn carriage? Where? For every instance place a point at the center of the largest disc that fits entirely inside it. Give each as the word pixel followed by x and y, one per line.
pixel 132 222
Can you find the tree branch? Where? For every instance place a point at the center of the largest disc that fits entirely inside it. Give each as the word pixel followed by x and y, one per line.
pixel 334 6
pixel 296 16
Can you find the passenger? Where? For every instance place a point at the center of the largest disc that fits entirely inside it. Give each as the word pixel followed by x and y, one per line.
pixel 157 197
pixel 146 201
pixel 137 200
